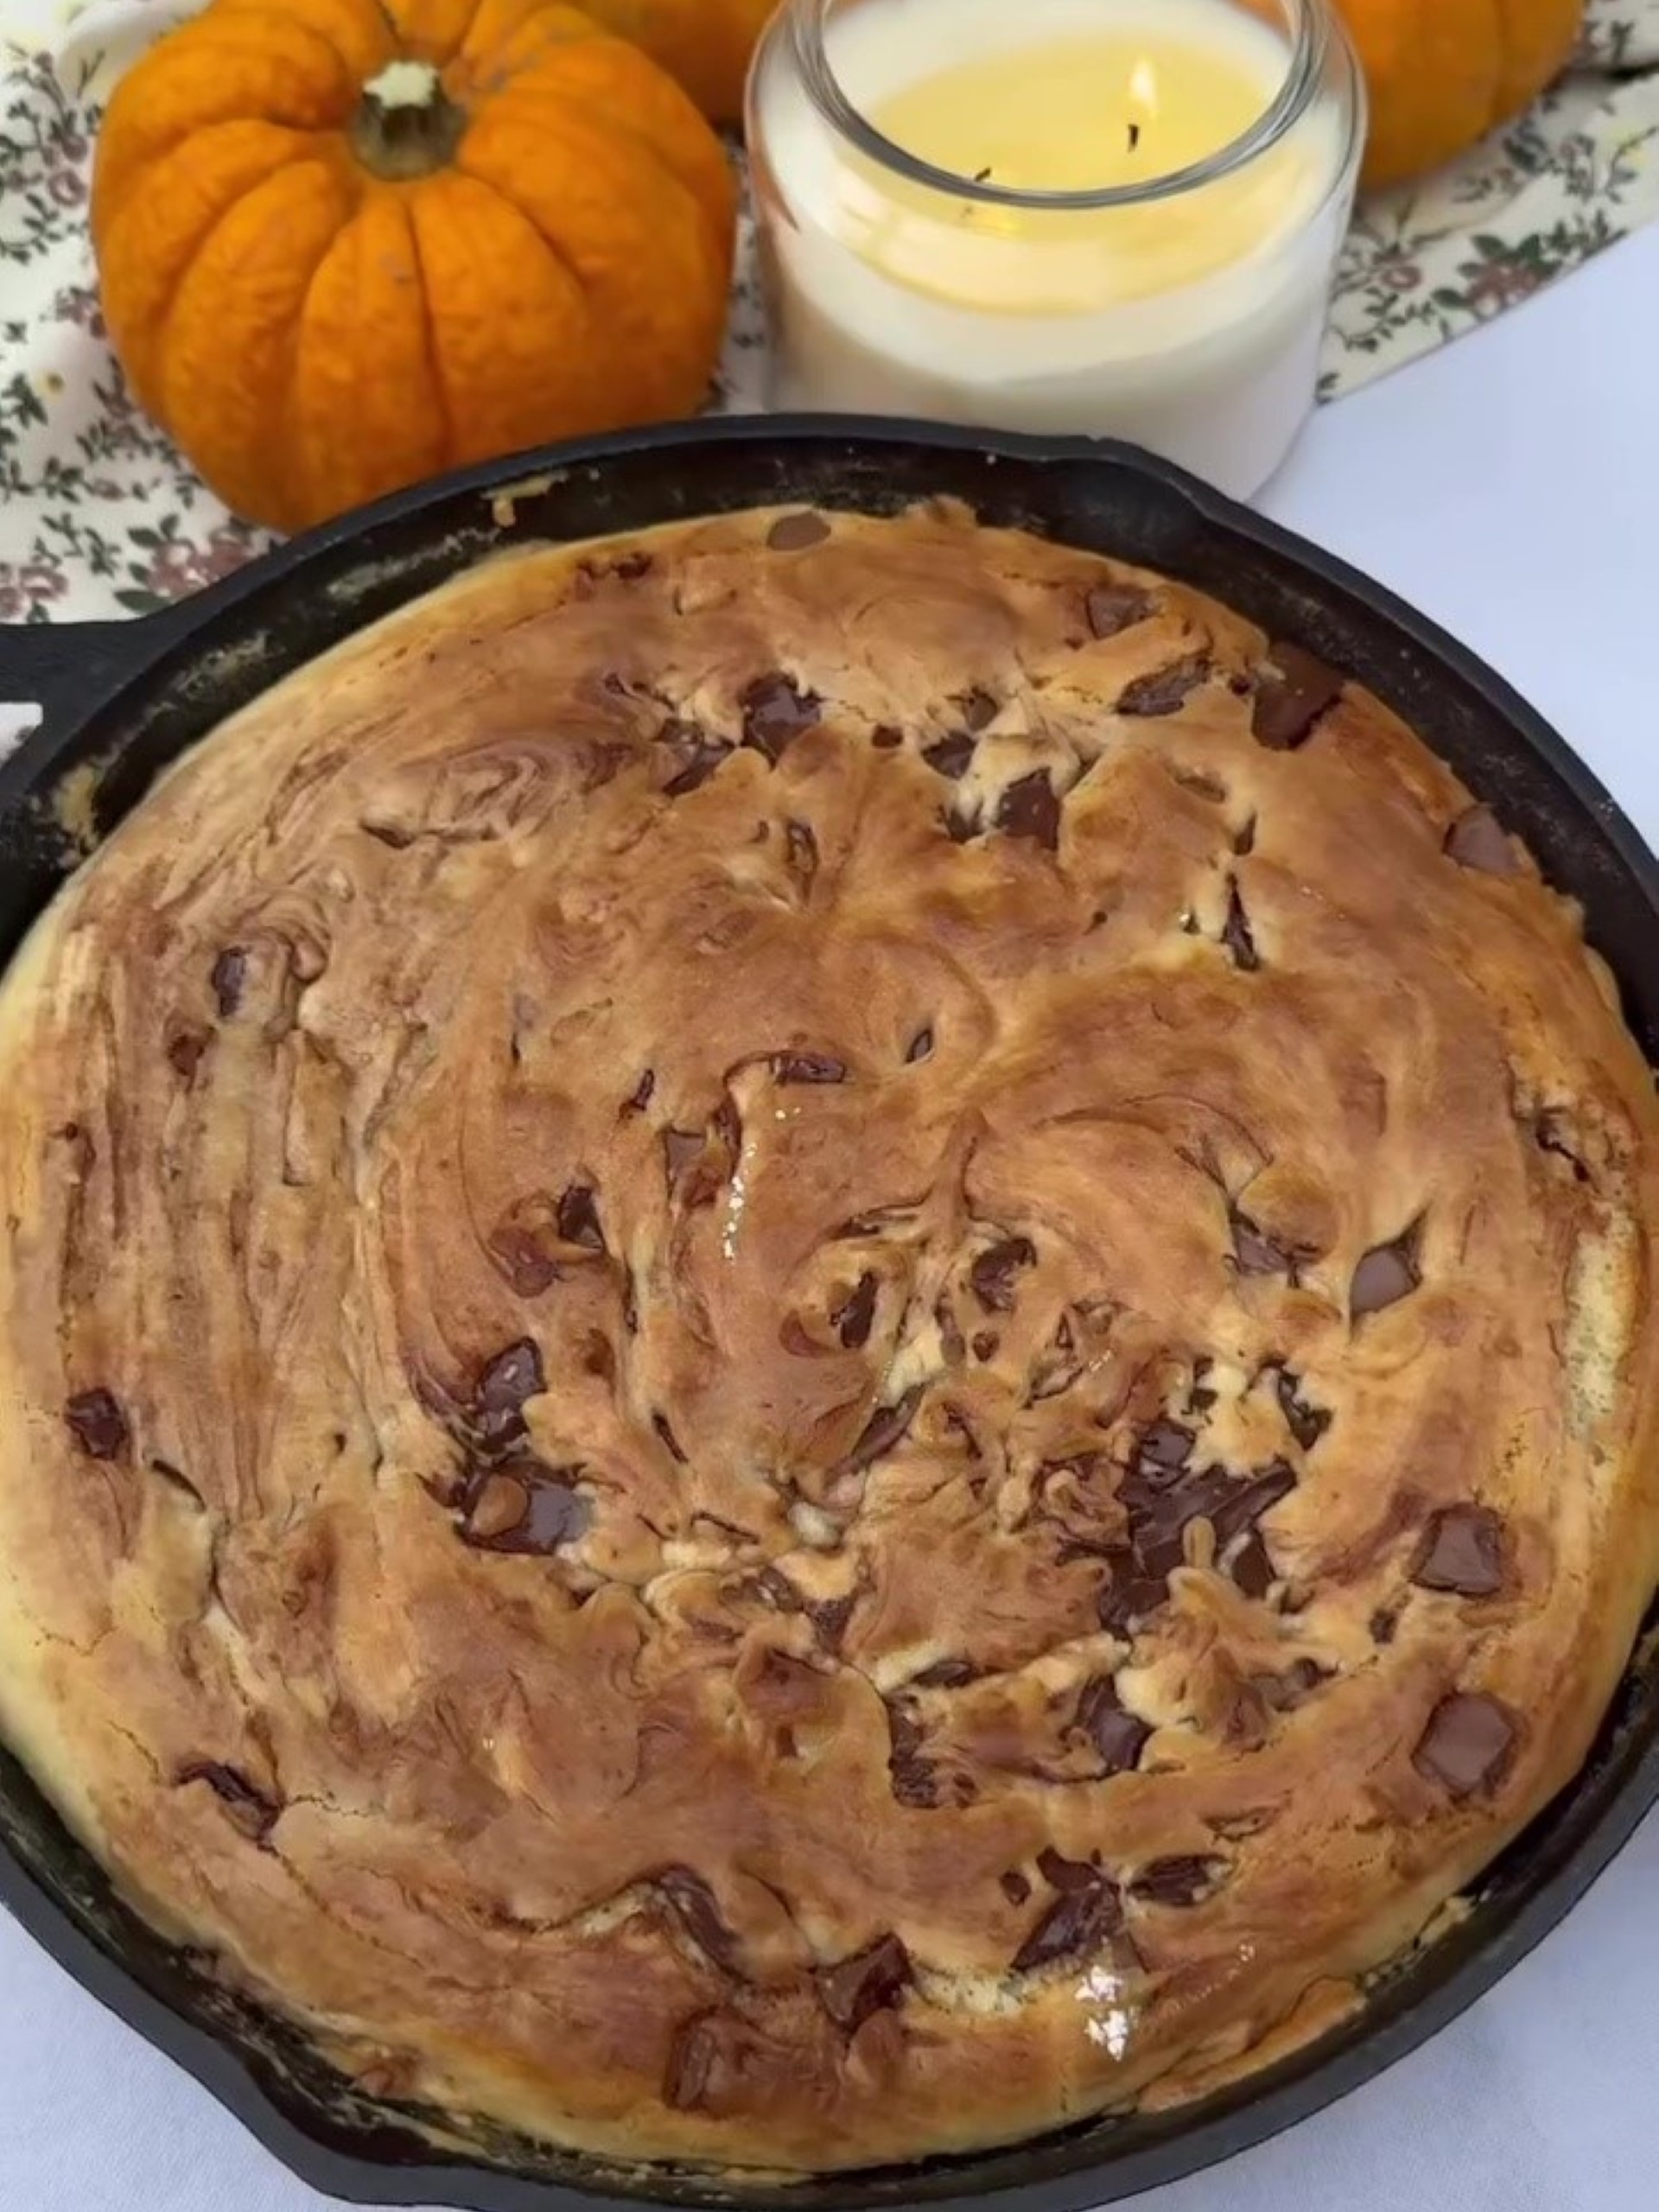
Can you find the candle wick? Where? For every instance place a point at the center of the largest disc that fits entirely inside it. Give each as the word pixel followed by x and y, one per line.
pixel 1135 136
pixel 981 176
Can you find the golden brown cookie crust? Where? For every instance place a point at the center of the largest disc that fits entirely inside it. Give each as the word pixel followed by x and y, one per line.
pixel 827 1338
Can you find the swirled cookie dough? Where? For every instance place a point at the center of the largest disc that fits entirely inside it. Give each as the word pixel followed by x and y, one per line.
pixel 827 1337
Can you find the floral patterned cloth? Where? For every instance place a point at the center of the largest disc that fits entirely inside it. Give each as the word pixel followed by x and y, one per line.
pixel 100 515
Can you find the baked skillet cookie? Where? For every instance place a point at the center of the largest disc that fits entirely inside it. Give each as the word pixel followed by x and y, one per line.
pixel 827 1338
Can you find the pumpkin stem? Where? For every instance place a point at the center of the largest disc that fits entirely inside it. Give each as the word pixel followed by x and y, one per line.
pixel 406 125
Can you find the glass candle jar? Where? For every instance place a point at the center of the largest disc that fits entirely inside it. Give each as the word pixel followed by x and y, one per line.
pixel 1112 217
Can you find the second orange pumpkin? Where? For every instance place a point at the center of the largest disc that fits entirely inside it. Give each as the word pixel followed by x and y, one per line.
pixel 346 243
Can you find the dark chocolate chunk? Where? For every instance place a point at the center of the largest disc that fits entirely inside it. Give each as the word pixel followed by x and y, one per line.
pixel 184 1050
pixel 1476 840
pixel 504 1385
pixel 1244 843
pixel 692 2059
pixel 808 1067
pixel 947 1675
pixel 639 1097
pixel 1130 1592
pixel 852 1319
pixel 873 1980
pixel 1386 1273
pixel 803 850
pixel 960 826
pixel 1383 1625
pixel 920 1047
pixel 1236 936
pixel 525 1507
pixel 1255 1253
pixel 98 1424
pixel 951 756
pixel 695 755
pixel 1063 1873
pixel 1117 1735
pixel 794 533
pixel 1462 1552
pixel 694 1902
pixel 1550 1134
pixel 1085 1914
pixel 248 1806
pixel 910 1772
pixel 1030 808
pixel 984 1345
pixel 1284 1693
pixel 1246 1502
pixel 776 711
pixel 1467 1744
pixel 1110 608
pixel 1306 1422
pixel 1291 697
pixel 992 1273
pixel 229 976
pixel 578 1218
pixel 671 1443
pixel 1167 689
pixel 886 738
pixel 830 1618
pixel 1176 1881
pixel 517 1252
pixel 887 1427
pixel 979 710
pixel 1014 1886
pixel 1165 1444
pixel 1252 1569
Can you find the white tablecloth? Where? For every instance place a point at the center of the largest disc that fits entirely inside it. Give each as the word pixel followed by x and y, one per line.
pixel 1509 486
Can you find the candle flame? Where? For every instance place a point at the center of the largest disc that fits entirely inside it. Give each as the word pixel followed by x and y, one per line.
pixel 1143 86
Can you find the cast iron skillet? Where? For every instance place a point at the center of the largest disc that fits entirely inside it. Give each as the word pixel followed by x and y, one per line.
pixel 122 699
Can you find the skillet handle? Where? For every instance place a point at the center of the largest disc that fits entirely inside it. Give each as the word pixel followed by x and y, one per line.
pixel 59 668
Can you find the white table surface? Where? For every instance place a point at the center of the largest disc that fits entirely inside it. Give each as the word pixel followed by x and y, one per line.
pixel 1509 486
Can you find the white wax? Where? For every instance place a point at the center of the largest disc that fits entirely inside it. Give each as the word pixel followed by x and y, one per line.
pixel 892 302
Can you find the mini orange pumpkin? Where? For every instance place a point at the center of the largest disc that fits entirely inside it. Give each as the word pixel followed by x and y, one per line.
pixel 346 243
pixel 706 44
pixel 1442 73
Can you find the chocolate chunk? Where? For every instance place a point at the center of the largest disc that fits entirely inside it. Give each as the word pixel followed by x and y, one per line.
pixel 1468 1744
pixel 1386 1273
pixel 887 1427
pixel 230 973
pixel 803 850
pixel 1244 843
pixel 98 1424
pixel 960 826
pixel 872 1980
pixel 992 1273
pixel 1062 1873
pixel 1177 1881
pixel 1111 608
pixel 1291 697
pixel 1084 1916
pixel 886 738
pixel 1165 1444
pixel 1476 840
pixel 517 1251
pixel 979 710
pixel 525 1507
pixel 1550 1134
pixel 184 1052
pixel 947 1675
pixel 1462 1552
pixel 578 1218
pixel 1235 936
pixel 695 752
pixel 830 1618
pixel 1167 689
pixel 910 1773
pixel 852 1319
pixel 920 1047
pixel 951 756
pixel 671 1443
pixel 682 1149
pixel 639 1097
pixel 1383 1625
pixel 249 1808
pixel 694 1902
pixel 776 711
pixel 692 2062
pixel 1014 1886
pixel 1117 1735
pixel 808 1067
pixel 504 1385
pixel 794 533
pixel 1130 1593
pixel 984 1345
pixel 1252 1567
pixel 1306 1423
pixel 1255 1253
pixel 1246 1502
pixel 1030 808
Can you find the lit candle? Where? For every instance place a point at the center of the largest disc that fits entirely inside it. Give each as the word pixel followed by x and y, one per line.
pixel 1111 217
